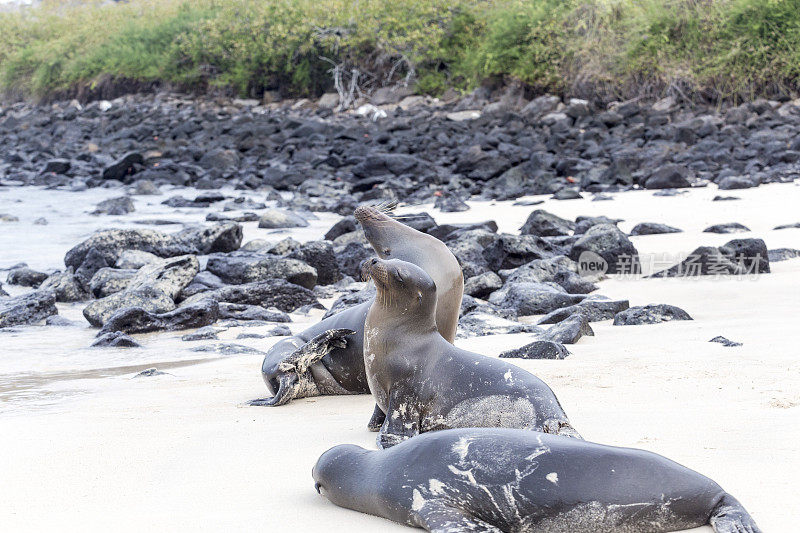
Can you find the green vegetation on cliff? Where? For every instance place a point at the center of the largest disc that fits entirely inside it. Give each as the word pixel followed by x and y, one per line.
pixel 611 48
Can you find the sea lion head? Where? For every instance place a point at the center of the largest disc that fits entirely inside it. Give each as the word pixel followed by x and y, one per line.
pixel 339 475
pixel 401 285
pixel 390 238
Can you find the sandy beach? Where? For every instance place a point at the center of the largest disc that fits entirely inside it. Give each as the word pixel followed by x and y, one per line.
pixel 96 448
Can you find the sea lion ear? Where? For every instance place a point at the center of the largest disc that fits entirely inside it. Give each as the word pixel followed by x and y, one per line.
pixel 419 296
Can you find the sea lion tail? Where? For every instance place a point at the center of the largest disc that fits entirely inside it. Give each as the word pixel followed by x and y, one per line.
pixel 730 517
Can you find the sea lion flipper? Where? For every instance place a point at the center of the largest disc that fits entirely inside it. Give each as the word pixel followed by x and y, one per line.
pixel 439 517
pixel 287 390
pixel 398 425
pixel 730 517
pixel 291 370
pixel 332 338
pixel 378 417
pixel 260 402
pixel 317 348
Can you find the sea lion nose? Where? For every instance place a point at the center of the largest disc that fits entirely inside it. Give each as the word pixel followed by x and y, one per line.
pixel 361 213
pixel 316 486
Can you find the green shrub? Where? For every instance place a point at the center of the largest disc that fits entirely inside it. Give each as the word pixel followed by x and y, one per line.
pixel 731 48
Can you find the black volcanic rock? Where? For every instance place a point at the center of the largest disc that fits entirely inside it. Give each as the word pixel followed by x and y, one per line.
pixel 736 182
pixel 725 342
pixel 593 309
pixel 245 267
pixel 584 223
pixel 482 285
pixel 782 254
pixel 345 225
pixel 138 320
pixel 730 227
pixel 542 349
pixel 279 218
pixel 511 251
pixel 719 198
pixel 668 177
pixel 567 193
pixel 28 308
pixel 278 293
pixel 750 255
pixel 66 286
pixel 788 226
pixel 545 224
pixel 251 312
pixel 736 257
pixel 527 298
pixel 115 206
pixel 446 232
pixel 449 202
pixel 123 166
pixel 653 228
pixel 650 314
pixel 109 244
pixel 57 166
pixel 610 243
pixel 569 330
pixel 26 277
pixel 115 339
pixel 155 287
pixel 319 255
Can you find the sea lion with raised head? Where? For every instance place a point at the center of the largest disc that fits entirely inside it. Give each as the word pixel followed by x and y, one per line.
pixel 424 383
pixel 337 365
pixel 504 480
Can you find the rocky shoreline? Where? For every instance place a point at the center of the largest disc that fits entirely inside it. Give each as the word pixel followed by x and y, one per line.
pixel 416 150
pixel 304 159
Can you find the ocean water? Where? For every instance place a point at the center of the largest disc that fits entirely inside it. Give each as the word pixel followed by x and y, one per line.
pixel 44 365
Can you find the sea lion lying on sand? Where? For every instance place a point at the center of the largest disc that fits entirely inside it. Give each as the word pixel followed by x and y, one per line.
pixel 504 480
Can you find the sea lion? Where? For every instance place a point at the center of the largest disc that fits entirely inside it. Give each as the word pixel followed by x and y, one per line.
pixel 338 364
pixel 424 383
pixel 503 480
pixel 393 240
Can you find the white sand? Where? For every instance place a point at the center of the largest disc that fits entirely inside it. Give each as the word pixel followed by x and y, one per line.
pixel 179 452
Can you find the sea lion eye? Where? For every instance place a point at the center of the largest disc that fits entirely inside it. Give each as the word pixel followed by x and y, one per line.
pixel 387 251
pixel 398 276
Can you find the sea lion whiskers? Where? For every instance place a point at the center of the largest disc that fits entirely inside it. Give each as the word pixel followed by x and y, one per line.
pixel 387 206
pixel 381 223
pixel 366 275
pixel 409 216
